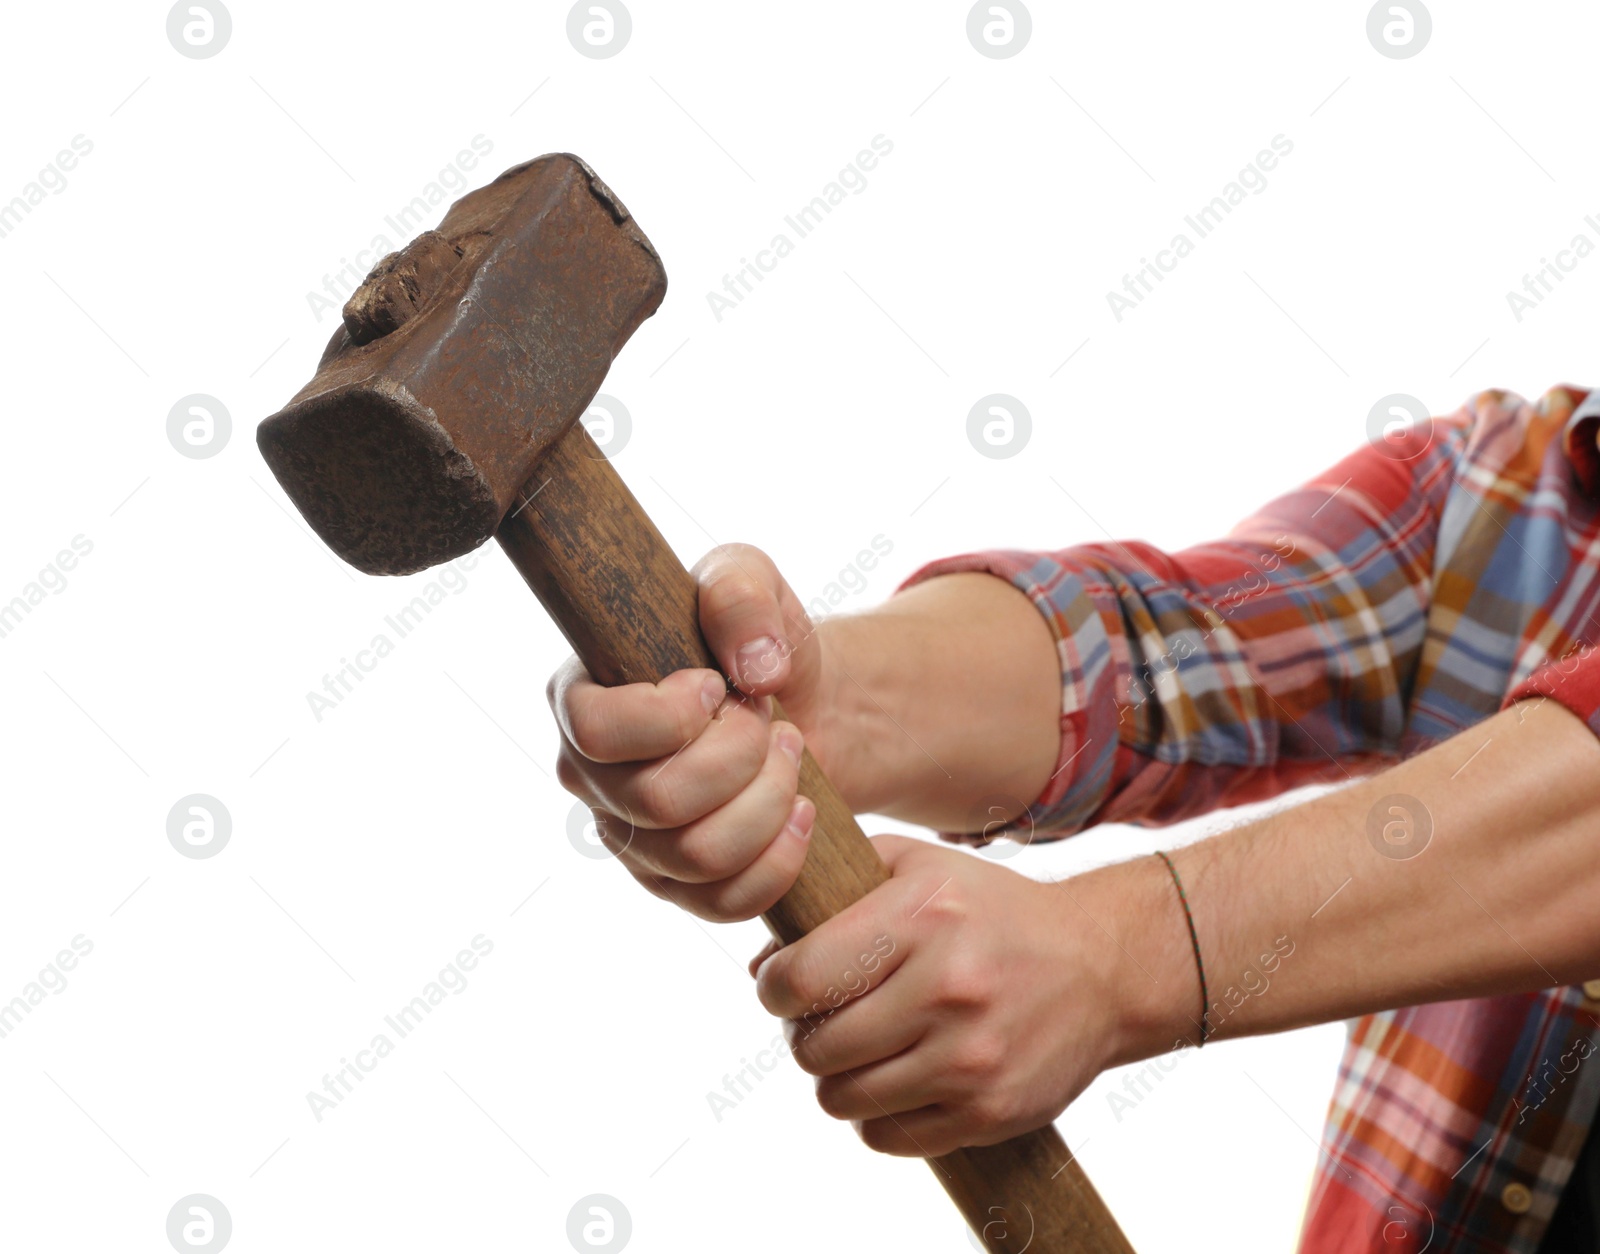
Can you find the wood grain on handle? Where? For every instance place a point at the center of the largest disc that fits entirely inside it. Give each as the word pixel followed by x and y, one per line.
pixel 630 610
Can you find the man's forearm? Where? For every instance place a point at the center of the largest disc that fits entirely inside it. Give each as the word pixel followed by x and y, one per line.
pixel 944 702
pixel 1469 870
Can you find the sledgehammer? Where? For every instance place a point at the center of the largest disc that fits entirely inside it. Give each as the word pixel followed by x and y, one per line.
pixel 445 410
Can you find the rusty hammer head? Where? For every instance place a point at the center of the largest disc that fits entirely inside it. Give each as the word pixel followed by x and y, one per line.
pixel 463 358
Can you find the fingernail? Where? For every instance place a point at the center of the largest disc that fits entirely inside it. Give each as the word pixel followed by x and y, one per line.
pixel 792 743
pixel 711 695
pixel 801 819
pixel 758 660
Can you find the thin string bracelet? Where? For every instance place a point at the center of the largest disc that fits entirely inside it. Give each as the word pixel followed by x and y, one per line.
pixel 1194 941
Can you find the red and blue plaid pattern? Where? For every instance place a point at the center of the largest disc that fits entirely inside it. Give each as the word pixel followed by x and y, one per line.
pixel 1408 593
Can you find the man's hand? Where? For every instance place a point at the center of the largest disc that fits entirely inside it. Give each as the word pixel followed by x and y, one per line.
pixel 947 694
pixel 693 787
pixel 957 1004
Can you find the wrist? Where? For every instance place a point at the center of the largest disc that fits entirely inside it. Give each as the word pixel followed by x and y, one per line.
pixel 844 724
pixel 1149 978
pixel 942 702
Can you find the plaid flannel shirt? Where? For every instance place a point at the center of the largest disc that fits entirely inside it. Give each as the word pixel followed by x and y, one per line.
pixel 1413 590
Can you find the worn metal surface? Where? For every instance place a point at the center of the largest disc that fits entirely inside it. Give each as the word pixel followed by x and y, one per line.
pixel 461 360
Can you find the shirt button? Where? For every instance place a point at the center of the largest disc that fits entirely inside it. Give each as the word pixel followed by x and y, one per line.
pixel 1516 1198
pixel 1591 989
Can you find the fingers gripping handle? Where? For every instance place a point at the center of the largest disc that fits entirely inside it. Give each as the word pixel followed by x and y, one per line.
pixel 630 611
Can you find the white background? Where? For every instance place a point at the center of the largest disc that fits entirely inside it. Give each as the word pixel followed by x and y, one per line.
pixel 827 408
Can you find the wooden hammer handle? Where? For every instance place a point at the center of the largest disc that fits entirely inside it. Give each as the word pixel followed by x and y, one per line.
pixel 630 611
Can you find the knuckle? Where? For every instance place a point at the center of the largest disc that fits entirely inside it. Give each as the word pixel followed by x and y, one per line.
pixel 704 856
pixel 988 1113
pixel 773 988
pixel 805 1053
pixel 688 719
pixel 939 1146
pixel 728 902
pixel 752 748
pixel 690 897
pixel 660 800
pixel 963 983
pixel 710 914
pixel 719 909
pixel 653 884
pixel 980 1056
pixel 833 1098
pixel 615 831
pixel 773 793
pixel 785 983
pixel 947 906
pixel 756 903
pixel 590 730
pixel 568 775
pixel 739 730
pixel 877 1135
pixel 732 594
pixel 808 1022
pixel 802 986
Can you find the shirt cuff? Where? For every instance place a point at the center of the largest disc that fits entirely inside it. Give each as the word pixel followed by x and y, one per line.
pixel 1075 604
pixel 1578 439
pixel 1572 680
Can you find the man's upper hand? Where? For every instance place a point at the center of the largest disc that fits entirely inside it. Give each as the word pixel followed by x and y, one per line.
pixel 694 786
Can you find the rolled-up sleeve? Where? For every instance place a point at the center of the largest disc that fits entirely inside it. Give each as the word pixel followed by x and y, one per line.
pixel 1228 672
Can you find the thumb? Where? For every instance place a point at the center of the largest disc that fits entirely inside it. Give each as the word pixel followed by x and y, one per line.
pixel 750 617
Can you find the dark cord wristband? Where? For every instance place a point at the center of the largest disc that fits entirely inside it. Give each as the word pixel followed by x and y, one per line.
pixel 1194 941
